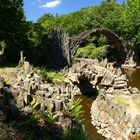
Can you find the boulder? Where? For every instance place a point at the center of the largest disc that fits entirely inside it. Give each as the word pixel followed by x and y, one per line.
pixel 107 79
pixel 118 86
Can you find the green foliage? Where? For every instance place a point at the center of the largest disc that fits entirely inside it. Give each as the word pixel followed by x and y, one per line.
pixel 75 109
pixel 50 117
pixel 102 40
pixel 2 45
pixel 51 76
pixel 1 125
pixel 122 19
pixel 12 28
pixel 66 133
pixel 12 18
pixel 121 102
pixel 47 21
pixel 76 112
pixel 136 101
pixel 85 51
pixel 92 52
pixel 35 105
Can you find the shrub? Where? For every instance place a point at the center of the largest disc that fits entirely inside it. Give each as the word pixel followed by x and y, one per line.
pixel 85 51
pixel 102 40
pixel 51 76
pixel 92 52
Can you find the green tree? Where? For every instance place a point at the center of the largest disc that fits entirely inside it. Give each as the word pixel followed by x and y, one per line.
pixel 12 18
pixel 130 19
pixel 47 21
pixel 12 27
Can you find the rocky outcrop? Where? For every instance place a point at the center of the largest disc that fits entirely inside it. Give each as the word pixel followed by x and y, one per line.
pixel 113 120
pixel 31 91
pixel 101 75
pixel 59 49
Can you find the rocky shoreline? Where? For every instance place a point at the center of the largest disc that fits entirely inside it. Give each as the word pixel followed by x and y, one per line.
pixel 113 120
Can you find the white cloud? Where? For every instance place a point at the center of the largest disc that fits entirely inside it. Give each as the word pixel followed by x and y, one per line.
pixel 51 4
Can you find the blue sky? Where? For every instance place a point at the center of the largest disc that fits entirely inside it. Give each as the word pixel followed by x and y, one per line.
pixel 34 9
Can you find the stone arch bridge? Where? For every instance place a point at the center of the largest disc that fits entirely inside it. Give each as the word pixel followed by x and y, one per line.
pixel 62 48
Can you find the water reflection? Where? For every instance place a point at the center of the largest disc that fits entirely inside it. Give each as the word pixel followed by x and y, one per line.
pixel 133 76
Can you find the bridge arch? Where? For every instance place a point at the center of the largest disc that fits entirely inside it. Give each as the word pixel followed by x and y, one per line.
pixel 63 48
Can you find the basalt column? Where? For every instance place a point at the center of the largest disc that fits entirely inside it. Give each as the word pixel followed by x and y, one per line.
pixel 59 49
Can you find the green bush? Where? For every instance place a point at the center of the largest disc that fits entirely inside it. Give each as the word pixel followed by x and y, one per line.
pixel 92 52
pixel 51 76
pixel 85 51
pixel 102 40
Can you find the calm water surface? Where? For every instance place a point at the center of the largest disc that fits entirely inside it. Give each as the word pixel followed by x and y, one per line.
pixel 133 76
pixel 89 128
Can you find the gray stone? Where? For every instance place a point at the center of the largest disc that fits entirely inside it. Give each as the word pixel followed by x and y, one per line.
pixel 2 82
pixel 134 90
pixel 27 110
pixel 42 106
pixel 20 101
pixel 26 67
pixel 107 79
pixel 50 105
pixel 119 79
pixel 58 105
pixel 110 90
pixel 118 86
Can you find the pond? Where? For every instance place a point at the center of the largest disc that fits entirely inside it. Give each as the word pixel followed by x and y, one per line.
pixel 133 75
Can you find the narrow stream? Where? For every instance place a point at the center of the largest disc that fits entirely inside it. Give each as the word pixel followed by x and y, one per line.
pixel 133 76
pixel 89 128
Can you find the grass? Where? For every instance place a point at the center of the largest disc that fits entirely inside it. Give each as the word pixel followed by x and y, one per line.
pixel 136 101
pixel 121 102
pixel 7 72
pixel 51 76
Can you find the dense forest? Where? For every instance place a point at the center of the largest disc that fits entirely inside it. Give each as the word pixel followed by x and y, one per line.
pixel 16 33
